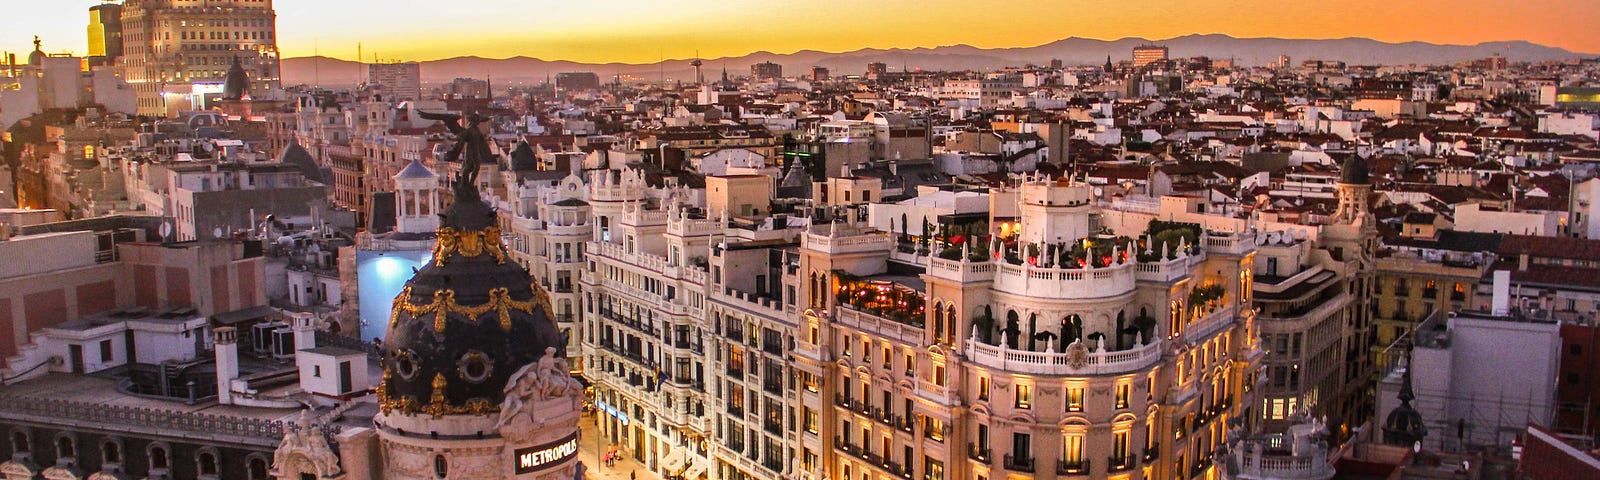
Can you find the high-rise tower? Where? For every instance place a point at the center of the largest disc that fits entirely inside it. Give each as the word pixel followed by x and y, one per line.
pixel 177 52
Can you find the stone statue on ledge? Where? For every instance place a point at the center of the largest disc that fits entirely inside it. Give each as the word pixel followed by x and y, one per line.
pixel 542 381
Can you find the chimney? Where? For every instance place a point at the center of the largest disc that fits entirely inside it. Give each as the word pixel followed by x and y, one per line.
pixel 305 328
pixel 1502 293
pixel 227 353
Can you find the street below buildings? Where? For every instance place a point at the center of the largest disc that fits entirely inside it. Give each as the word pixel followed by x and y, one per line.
pixel 590 450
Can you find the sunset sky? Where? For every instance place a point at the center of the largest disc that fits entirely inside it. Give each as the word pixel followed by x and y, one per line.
pixel 644 31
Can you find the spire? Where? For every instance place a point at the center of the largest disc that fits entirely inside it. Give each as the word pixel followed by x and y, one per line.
pixel 1406 395
pixel 1404 426
pixel 37 57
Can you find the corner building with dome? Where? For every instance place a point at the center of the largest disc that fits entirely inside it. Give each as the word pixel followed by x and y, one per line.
pixel 474 385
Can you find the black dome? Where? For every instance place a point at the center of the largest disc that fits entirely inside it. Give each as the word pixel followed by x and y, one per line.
pixel 1354 172
pixel 1404 425
pixel 494 321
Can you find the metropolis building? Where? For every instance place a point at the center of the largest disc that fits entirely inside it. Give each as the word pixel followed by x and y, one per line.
pixel 726 341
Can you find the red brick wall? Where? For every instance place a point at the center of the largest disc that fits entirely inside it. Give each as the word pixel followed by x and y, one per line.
pixel 45 308
pixel 1578 380
pixel 96 297
pixel 146 287
pixel 178 294
pixel 248 274
pixel 219 289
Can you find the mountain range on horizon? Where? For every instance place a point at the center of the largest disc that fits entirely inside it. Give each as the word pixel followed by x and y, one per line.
pixel 1072 51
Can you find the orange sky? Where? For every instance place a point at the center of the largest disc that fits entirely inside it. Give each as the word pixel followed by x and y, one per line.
pixel 642 31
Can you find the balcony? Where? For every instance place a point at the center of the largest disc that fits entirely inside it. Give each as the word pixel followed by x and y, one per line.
pixel 1116 464
pixel 1072 467
pixel 976 453
pixel 1151 454
pixel 849 316
pixel 1065 283
pixel 1060 363
pixel 1016 464
pixel 960 271
pixel 851 404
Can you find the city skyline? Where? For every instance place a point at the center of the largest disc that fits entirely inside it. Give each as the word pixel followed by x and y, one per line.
pixel 636 32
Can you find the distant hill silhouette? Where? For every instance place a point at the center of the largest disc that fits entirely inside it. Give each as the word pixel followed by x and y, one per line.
pixel 1073 51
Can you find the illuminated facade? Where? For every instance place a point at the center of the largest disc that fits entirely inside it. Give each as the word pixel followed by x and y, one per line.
pixel 1043 347
pixel 1055 351
pixel 176 52
pixel 1148 54
pixel 644 321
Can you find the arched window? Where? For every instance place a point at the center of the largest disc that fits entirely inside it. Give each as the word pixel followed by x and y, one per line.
pixel 950 322
pixel 257 469
pixel 1012 329
pixel 441 467
pixel 1175 319
pixel 65 448
pixel 158 457
pixel 19 442
pixel 1123 331
pixel 111 451
pixel 1071 329
pixel 206 462
pixel 938 322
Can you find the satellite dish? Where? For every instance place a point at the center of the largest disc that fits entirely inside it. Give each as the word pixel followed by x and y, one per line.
pixel 216 232
pixel 166 230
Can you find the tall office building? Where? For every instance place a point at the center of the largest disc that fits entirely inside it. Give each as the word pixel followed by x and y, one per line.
pixel 1148 54
pixel 576 81
pixel 398 81
pixel 765 71
pixel 105 33
pixel 176 53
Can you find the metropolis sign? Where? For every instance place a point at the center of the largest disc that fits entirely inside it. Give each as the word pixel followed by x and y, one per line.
pixel 533 459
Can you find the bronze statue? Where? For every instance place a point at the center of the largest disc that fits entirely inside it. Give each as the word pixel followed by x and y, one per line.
pixel 471 149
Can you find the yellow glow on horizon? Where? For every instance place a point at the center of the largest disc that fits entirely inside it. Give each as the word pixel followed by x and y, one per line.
pixel 645 31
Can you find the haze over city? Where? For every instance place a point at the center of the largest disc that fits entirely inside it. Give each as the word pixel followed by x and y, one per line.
pixel 644 31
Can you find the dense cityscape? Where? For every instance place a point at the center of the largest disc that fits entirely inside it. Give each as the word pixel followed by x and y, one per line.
pixel 1162 267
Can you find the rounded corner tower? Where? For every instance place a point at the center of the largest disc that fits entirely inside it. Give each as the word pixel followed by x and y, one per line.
pixel 475 384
